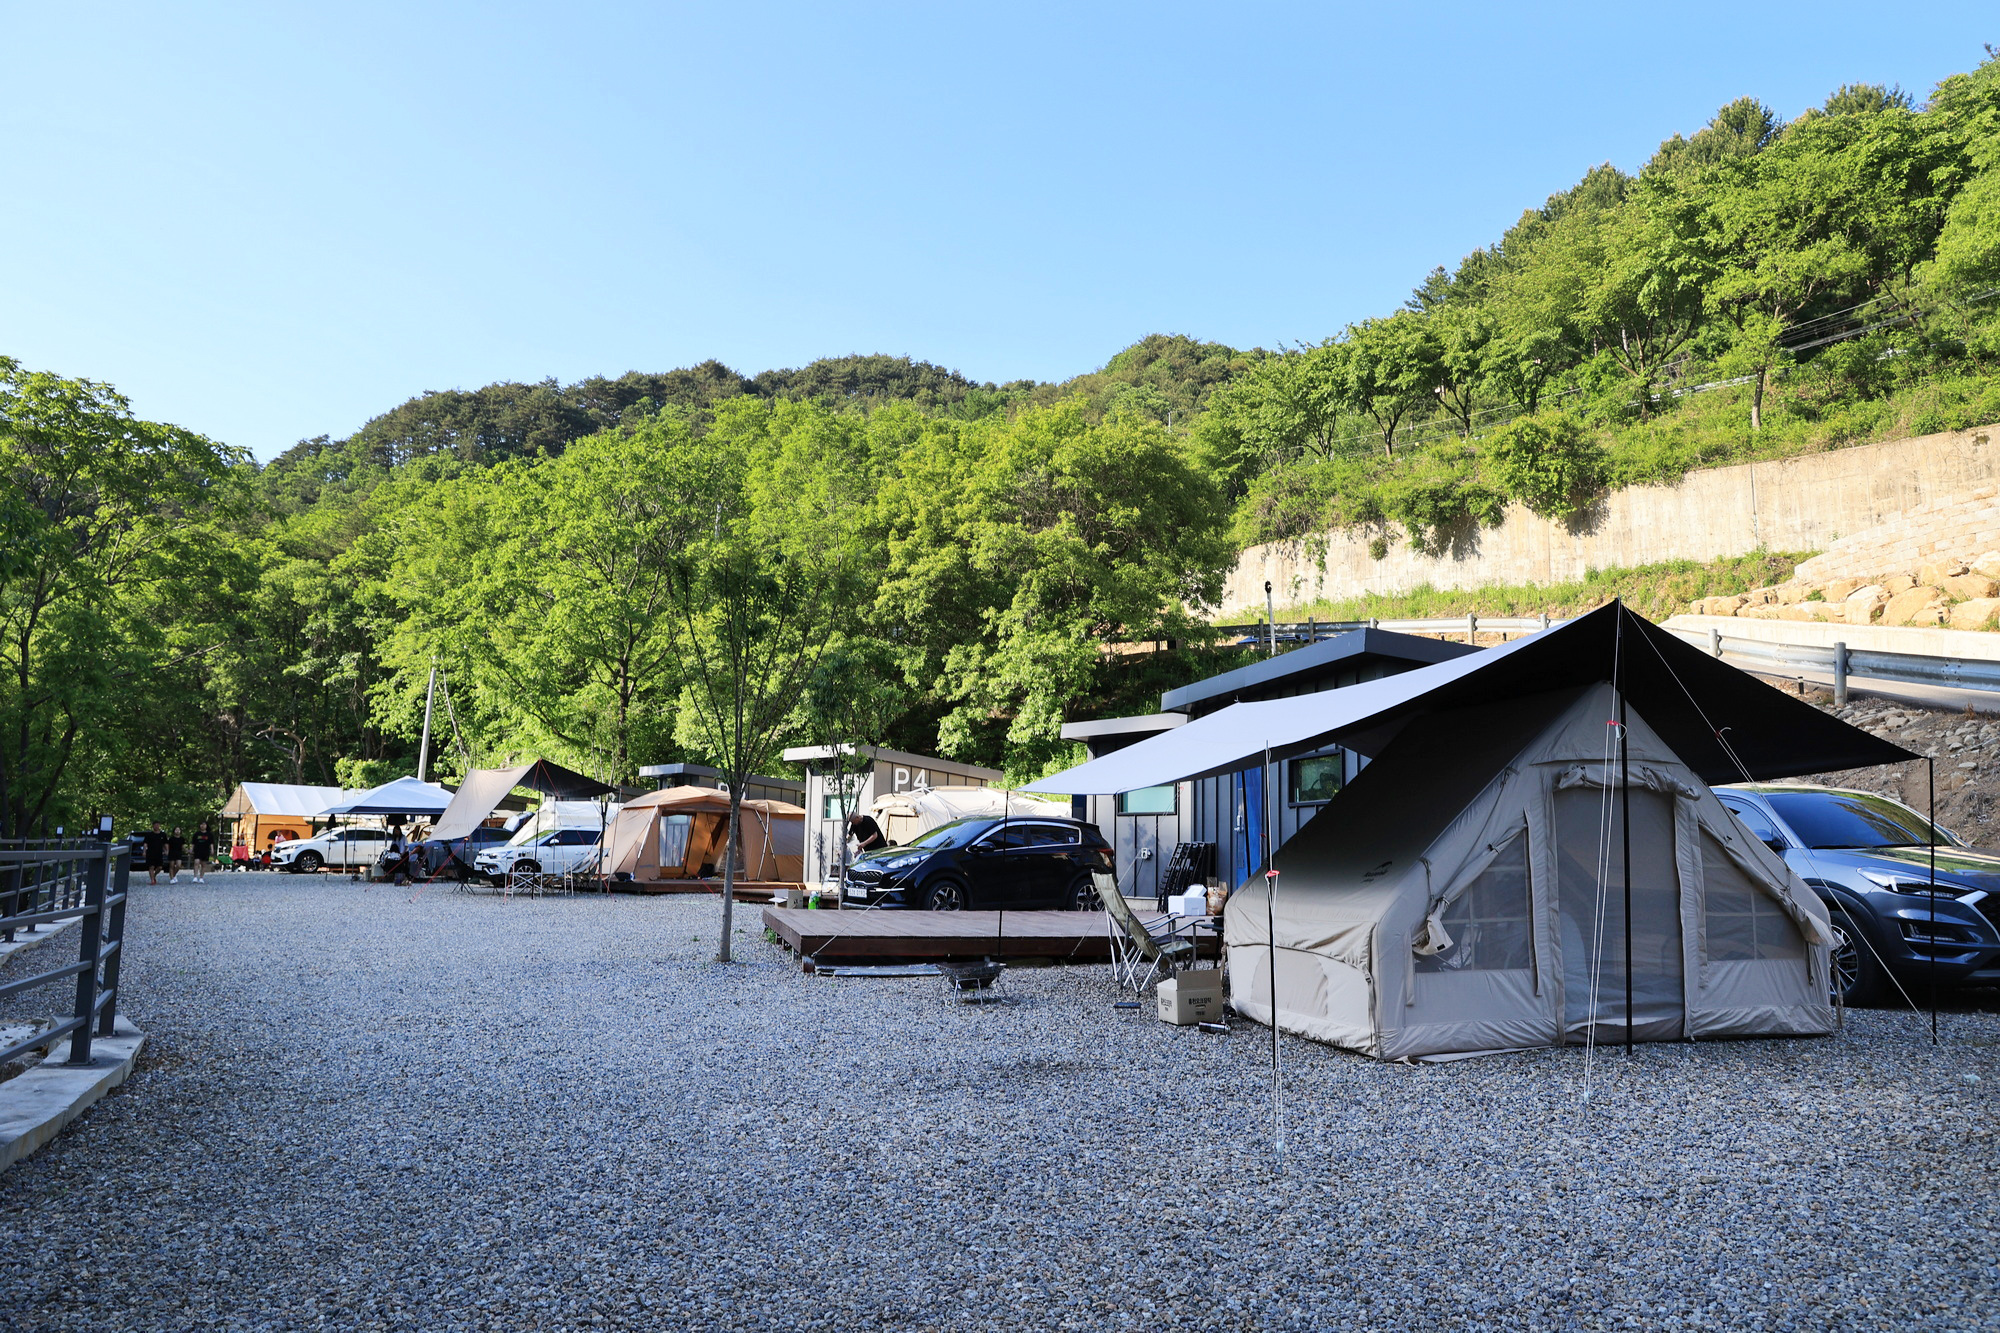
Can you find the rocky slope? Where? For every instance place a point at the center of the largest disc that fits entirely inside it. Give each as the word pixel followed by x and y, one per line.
pixel 1966 750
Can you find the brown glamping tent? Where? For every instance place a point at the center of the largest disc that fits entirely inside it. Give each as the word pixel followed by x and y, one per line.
pixel 672 841
pixel 1532 856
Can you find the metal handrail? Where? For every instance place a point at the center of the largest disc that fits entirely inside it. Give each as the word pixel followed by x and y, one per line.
pixel 92 887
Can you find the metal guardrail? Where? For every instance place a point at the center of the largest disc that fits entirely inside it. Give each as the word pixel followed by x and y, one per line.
pixel 1312 631
pixel 44 882
pixel 1841 662
pixel 1838 660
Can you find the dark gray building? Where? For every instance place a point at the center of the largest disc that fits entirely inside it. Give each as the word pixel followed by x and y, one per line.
pixel 1228 811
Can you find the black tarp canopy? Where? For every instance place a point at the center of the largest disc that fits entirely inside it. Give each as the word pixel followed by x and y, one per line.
pixel 1724 723
pixel 484 788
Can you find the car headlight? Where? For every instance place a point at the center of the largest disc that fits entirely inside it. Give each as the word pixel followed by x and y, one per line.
pixel 1916 888
pixel 901 862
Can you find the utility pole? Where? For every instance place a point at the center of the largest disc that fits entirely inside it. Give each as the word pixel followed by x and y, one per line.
pixel 1270 621
pixel 424 749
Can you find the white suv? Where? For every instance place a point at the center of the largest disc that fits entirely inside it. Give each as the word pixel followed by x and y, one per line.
pixel 556 851
pixel 342 847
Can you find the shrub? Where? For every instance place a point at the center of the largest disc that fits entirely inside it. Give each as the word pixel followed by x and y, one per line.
pixel 1550 463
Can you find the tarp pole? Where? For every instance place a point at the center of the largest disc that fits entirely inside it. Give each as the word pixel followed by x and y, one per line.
pixel 1271 947
pixel 1930 788
pixel 1624 811
pixel 424 749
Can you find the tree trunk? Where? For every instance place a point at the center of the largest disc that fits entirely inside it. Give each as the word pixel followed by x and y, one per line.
pixel 1757 401
pixel 729 865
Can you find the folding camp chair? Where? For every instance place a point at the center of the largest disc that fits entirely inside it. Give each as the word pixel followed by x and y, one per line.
pixel 1141 955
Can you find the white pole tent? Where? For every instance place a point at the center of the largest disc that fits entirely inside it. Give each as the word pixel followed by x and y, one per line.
pixel 1532 856
pixel 401 798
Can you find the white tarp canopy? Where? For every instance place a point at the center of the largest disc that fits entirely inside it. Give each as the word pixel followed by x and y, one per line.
pixel 484 788
pixel 284 798
pixel 403 796
pixel 1466 893
pixel 1722 722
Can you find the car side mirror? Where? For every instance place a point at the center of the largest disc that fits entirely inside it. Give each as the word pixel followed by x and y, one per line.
pixel 1775 844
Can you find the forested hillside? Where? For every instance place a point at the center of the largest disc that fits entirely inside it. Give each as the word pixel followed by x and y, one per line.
pixel 948 558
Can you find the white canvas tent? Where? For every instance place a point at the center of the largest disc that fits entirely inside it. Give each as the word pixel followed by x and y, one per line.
pixel 904 815
pixel 1466 893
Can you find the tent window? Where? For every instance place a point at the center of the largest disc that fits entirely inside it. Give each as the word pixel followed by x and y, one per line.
pixel 1741 921
pixel 1488 923
pixel 674 830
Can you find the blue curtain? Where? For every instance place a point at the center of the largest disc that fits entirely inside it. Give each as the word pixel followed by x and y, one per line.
pixel 1246 838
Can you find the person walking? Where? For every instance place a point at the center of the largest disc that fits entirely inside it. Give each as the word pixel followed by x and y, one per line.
pixel 156 853
pixel 176 853
pixel 204 852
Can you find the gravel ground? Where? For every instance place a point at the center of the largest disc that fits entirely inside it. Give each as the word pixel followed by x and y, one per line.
pixel 363 1110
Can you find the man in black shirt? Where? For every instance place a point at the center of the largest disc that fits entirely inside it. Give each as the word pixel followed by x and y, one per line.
pixel 176 853
pixel 204 852
pixel 156 853
pixel 866 833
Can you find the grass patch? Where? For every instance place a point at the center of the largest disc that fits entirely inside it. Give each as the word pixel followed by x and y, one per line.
pixel 1654 591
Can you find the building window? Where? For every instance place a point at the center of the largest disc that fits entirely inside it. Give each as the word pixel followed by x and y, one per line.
pixel 1150 801
pixel 1317 778
pixel 832 800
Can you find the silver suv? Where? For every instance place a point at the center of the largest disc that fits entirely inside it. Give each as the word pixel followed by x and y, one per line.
pixel 558 851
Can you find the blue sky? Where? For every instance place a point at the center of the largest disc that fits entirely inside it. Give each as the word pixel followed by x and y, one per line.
pixel 269 222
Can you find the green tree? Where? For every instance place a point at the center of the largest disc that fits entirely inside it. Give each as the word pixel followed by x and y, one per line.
pixel 547 585
pixel 1016 549
pixel 1838 207
pixel 1394 367
pixel 762 587
pixel 100 507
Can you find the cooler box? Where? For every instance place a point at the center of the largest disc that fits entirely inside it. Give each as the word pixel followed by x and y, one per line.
pixel 1189 904
pixel 1191 997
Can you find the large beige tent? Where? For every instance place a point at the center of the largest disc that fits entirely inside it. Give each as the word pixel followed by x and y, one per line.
pixel 679 832
pixel 1466 893
pixel 905 815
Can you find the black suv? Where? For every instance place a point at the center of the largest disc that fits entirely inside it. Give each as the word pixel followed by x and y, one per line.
pixel 986 862
pixel 1869 859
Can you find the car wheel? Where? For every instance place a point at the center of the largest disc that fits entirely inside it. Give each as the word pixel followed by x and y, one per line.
pixel 1082 895
pixel 308 862
pixel 945 895
pixel 1857 972
pixel 528 867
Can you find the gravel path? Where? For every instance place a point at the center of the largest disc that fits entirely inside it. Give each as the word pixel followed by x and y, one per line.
pixel 360 1111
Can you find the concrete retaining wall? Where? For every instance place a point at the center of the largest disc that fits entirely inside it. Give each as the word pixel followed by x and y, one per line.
pixel 1963 526
pixel 1807 503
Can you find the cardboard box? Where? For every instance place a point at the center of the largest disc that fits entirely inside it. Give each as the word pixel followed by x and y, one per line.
pixel 1191 997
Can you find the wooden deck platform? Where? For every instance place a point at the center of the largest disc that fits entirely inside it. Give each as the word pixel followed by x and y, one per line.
pixel 925 937
pixel 750 890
